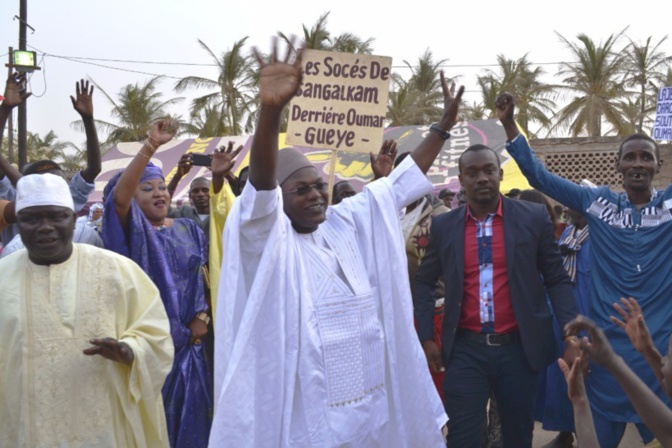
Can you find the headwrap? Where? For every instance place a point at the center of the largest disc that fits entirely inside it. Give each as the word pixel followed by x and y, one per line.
pixel 97 222
pixel 151 172
pixel 43 189
pixel 291 160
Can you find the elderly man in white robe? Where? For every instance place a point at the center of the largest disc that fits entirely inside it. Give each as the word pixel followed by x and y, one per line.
pixel 85 342
pixel 316 346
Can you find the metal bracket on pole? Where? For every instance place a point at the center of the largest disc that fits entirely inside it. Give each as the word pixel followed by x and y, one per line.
pixel 25 23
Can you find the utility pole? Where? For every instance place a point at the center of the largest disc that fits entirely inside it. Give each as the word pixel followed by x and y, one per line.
pixel 23 109
pixel 10 124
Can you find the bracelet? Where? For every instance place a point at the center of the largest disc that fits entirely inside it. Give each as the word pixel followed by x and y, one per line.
pixel 148 143
pixel 204 317
pixel 144 155
pixel 443 134
pixel 154 141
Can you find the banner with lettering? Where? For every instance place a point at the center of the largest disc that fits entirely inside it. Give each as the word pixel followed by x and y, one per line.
pixel 352 166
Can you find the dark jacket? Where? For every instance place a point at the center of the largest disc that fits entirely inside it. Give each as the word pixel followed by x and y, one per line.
pixel 534 268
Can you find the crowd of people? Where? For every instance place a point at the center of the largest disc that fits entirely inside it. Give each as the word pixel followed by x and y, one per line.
pixel 265 314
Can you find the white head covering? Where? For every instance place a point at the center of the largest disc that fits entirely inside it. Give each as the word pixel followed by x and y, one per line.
pixel 43 189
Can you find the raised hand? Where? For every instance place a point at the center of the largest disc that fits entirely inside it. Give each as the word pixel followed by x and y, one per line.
pixel 223 159
pixel 162 131
pixel 451 102
pixel 184 165
pixel 576 389
pixel 505 105
pixel 598 348
pixel 83 103
pixel 15 90
pixel 111 349
pixel 279 80
pixel 572 351
pixel 382 163
pixel 633 324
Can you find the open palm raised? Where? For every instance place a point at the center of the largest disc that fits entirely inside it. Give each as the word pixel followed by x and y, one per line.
pixel 15 92
pixel 278 80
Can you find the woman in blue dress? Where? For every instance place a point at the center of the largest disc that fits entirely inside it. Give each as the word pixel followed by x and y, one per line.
pixel 172 252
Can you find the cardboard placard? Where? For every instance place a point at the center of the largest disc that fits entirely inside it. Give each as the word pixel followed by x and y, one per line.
pixel 342 102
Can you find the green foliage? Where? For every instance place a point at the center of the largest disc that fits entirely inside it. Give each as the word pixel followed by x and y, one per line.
pixel 646 67
pixel 418 100
pixel 318 37
pixel 595 84
pixel 135 108
pixel 234 91
pixel 594 90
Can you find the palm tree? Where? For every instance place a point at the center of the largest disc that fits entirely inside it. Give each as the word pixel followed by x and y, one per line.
pixel 233 93
pixel 349 43
pixel 71 157
pixel 208 122
pixel 594 80
pixel 405 105
pixel 646 66
pixel 667 80
pixel 318 37
pixel 631 111
pixel 490 89
pixel 533 97
pixel 4 148
pixel 417 100
pixel 425 74
pixel 315 38
pixel 43 147
pixel 136 108
pixel 474 112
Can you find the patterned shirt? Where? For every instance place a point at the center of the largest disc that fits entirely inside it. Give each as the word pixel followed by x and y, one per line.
pixel 486 303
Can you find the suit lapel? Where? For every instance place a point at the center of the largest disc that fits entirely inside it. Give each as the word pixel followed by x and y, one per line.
pixel 509 232
pixel 458 240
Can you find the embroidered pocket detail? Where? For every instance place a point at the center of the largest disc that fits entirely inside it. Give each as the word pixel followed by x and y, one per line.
pixel 353 348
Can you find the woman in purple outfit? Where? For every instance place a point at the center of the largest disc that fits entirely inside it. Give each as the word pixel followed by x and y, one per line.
pixel 172 252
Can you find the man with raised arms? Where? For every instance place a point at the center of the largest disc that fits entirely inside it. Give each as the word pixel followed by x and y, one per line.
pixel 315 343
pixel 631 236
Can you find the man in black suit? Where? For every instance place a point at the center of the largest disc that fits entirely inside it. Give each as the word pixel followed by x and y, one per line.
pixel 498 259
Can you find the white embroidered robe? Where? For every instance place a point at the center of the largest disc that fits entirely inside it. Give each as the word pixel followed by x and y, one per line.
pixel 318 348
pixel 51 394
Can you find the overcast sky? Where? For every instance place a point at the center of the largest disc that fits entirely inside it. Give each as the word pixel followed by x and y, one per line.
pixel 466 33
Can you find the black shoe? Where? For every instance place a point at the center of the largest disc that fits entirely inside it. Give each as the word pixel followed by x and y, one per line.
pixel 562 440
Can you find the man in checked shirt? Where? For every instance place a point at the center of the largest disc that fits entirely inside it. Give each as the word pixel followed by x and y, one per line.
pixel 498 259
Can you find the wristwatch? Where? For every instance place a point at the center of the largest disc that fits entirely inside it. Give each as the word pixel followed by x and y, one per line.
pixel 204 317
pixel 443 134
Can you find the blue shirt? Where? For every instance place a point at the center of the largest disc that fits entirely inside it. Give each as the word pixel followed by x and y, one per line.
pixel 630 256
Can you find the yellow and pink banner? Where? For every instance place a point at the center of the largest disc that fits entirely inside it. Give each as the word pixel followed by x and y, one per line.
pixel 352 166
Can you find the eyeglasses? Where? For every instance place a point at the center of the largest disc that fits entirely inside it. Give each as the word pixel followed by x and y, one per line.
pixel 321 187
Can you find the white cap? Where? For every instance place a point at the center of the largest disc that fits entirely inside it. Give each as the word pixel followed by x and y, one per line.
pixel 42 189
